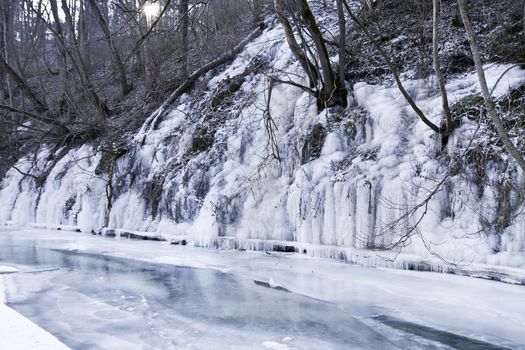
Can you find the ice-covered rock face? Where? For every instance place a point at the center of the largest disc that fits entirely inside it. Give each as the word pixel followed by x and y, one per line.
pixel 344 178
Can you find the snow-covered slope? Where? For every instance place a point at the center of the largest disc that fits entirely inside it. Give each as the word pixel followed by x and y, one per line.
pixel 346 179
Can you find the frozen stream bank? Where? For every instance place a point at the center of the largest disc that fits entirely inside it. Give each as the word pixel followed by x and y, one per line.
pixel 93 293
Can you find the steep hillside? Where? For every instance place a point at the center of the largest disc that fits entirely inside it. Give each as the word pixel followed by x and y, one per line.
pixel 228 167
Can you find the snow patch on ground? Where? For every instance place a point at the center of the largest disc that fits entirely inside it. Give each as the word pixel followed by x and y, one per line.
pixel 272 345
pixel 7 269
pixel 19 333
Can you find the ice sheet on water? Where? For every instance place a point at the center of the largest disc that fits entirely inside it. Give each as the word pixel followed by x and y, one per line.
pixel 329 306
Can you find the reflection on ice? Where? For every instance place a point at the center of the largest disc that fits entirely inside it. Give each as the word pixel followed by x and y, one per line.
pixel 95 301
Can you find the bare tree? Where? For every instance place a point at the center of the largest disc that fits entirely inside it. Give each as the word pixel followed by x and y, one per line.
pixel 304 61
pixel 63 74
pixel 69 65
pixel 394 71
pixel 439 74
pixel 192 78
pixel 342 42
pixel 38 104
pixel 326 85
pixel 6 41
pixel 125 86
pixel 185 23
pixel 489 103
pixel 257 11
pixel 77 59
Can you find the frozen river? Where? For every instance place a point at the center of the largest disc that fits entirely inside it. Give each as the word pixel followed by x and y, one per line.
pixel 93 299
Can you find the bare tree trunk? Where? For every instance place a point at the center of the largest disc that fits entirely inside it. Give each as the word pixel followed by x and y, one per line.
pixel 81 68
pixel 3 77
pixel 489 103
pixel 342 42
pixel 331 94
pixel 304 61
pixel 33 37
pixel 38 104
pixel 439 74
pixel 6 39
pixel 84 33
pixel 257 11
pixel 126 88
pixel 62 66
pixel 185 23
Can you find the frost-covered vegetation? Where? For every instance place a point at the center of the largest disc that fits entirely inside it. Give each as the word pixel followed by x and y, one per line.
pixel 258 149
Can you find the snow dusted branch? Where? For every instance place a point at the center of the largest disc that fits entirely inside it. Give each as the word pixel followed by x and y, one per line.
pixel 394 71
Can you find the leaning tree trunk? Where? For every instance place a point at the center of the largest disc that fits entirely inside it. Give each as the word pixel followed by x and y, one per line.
pixel 38 103
pixel 304 61
pixel 394 71
pixel 156 117
pixel 489 103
